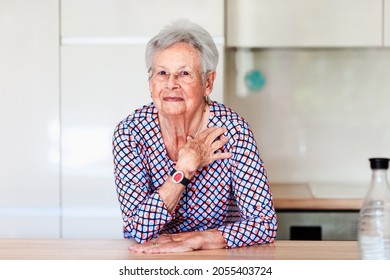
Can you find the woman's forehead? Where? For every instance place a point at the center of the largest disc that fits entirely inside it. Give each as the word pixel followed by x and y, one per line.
pixel 179 55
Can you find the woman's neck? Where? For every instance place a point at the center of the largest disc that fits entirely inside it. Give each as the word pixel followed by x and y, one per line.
pixel 176 129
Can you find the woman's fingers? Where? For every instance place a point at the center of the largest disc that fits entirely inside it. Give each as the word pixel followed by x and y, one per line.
pixel 219 156
pixel 206 148
pixel 211 133
pixel 211 142
pixel 155 247
pixel 218 144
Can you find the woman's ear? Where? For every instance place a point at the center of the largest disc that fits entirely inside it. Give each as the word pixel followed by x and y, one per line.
pixel 210 78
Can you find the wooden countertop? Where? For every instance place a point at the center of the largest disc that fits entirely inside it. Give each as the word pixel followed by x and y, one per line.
pixel 65 249
pixel 318 196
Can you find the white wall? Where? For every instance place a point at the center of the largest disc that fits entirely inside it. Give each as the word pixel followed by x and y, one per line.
pixel 321 114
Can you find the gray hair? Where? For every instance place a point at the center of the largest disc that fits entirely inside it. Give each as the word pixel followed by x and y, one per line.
pixel 190 33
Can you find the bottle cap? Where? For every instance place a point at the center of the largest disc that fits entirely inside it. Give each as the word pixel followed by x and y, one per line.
pixel 379 163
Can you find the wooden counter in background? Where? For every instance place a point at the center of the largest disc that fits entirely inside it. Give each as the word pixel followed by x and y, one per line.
pixel 317 197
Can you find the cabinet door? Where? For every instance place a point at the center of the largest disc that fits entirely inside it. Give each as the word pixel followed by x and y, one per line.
pixel 100 86
pixel 387 23
pixel 136 18
pixel 304 23
pixel 29 119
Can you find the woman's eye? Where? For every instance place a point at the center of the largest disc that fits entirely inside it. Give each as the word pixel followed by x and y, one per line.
pixel 161 73
pixel 185 73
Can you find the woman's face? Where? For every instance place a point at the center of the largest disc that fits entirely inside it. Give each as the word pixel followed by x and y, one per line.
pixel 176 81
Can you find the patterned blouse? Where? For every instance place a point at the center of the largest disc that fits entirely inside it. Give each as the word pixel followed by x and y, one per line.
pixel 231 195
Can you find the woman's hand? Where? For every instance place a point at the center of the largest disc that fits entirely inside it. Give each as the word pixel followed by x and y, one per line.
pixel 204 149
pixel 181 242
pixel 165 243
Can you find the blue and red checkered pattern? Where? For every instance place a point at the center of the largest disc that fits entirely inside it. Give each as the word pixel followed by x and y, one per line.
pixel 231 195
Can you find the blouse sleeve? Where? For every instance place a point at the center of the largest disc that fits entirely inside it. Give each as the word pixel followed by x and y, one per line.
pixel 258 223
pixel 143 211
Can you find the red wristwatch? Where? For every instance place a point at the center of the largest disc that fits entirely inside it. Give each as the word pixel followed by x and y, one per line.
pixel 179 178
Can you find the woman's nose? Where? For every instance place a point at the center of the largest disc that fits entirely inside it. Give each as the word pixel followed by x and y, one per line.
pixel 173 81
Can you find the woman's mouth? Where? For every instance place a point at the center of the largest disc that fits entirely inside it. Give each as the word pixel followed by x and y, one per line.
pixel 173 99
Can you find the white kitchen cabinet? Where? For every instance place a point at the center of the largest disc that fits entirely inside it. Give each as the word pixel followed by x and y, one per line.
pixel 29 119
pixel 103 79
pixel 305 23
pixel 110 18
pixel 386 23
pixel 101 85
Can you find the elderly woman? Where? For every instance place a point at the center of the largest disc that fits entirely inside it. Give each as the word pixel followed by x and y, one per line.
pixel 187 169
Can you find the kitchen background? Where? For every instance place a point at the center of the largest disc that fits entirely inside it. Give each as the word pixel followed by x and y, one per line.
pixel 311 77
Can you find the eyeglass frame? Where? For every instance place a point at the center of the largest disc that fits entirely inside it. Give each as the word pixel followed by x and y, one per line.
pixel 176 75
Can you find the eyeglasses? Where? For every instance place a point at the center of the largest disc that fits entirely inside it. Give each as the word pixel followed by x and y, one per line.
pixel 183 76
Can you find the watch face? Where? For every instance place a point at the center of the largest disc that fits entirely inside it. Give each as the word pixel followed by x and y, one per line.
pixel 177 177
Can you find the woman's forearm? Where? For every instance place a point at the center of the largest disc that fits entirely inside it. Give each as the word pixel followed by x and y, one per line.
pixel 170 194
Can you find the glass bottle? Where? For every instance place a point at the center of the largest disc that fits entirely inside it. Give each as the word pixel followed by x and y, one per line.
pixel 374 216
